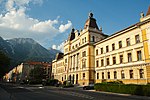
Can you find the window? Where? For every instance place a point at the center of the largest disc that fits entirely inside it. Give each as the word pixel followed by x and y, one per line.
pixel 93 39
pixel 113 46
pixel 129 57
pixel 96 51
pixel 114 60
pixel 62 78
pixel 66 50
pixel 102 75
pixel 77 60
pixel 121 59
pixel 82 41
pixel 83 53
pixel 83 64
pixel 107 61
pixel 65 60
pixel 139 56
pixel 70 78
pixel 97 63
pixel 115 75
pixel 74 61
pixel 131 73
pixel 76 45
pixel 128 41
pixel 141 72
pixel 122 74
pixel 76 78
pixel 73 79
pixel 137 39
pixel 97 75
pixel 101 50
pixel 107 49
pixel 102 62
pixel 120 44
pixel 71 60
pixel 83 75
pixel 108 73
pixel 85 39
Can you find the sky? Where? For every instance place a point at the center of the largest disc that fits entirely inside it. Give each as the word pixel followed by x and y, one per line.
pixel 49 22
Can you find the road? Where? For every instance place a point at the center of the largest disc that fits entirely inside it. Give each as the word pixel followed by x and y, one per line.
pixel 22 92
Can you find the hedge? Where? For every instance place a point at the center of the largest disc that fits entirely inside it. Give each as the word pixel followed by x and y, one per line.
pixel 143 90
pixel 51 82
pixel 67 84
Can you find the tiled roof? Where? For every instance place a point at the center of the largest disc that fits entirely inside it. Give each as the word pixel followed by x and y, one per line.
pixel 91 22
pixel 59 56
pixel 72 35
pixel 148 12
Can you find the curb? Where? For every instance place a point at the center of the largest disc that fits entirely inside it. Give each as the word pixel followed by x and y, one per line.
pixel 127 95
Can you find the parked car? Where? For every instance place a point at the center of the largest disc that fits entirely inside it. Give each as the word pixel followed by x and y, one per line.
pixel 88 87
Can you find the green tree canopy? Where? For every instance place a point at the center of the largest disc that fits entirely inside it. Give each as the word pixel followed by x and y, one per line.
pixel 36 74
pixel 4 64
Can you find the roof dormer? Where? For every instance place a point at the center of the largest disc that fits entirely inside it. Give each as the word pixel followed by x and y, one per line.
pixel 72 35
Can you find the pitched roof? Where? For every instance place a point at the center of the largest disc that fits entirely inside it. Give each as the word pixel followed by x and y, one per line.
pixel 148 12
pixel 59 56
pixel 91 22
pixel 72 35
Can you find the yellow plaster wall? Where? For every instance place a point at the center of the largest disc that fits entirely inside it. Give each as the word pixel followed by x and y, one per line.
pixel 146 50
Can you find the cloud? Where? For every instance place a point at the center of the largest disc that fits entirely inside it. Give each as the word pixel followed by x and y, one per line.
pixel 40 2
pixel 45 26
pixel 16 23
pixel 63 28
pixel 1 1
pixel 59 47
pixel 11 4
pixel 54 47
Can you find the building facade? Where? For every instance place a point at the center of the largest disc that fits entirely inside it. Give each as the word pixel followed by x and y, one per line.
pixel 90 56
pixel 22 72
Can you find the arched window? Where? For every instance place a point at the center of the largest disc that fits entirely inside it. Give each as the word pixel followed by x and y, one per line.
pixel 73 79
pixel 76 78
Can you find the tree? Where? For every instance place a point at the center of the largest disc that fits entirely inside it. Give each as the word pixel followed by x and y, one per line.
pixel 36 75
pixel 4 64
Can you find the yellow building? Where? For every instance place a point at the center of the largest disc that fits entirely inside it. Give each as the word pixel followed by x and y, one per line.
pixel 92 57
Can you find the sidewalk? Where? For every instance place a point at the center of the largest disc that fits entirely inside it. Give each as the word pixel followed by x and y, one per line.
pixel 102 92
pixel 128 95
pixel 4 95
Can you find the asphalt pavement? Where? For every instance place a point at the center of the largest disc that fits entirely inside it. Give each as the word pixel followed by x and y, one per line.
pixel 38 92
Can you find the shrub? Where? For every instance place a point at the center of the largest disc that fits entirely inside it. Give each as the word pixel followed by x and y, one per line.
pixel 115 82
pixel 35 82
pixel 52 82
pixel 143 90
pixel 67 84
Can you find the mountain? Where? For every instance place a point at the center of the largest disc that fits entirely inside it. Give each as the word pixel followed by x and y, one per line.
pixel 25 49
pixel 53 51
pixel 6 47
